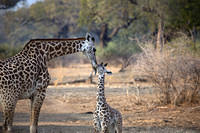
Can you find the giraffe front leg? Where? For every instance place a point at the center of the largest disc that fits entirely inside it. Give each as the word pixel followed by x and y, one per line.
pixel 96 125
pixel 96 122
pixel 119 125
pixel 36 104
pixel 8 114
pixel 104 127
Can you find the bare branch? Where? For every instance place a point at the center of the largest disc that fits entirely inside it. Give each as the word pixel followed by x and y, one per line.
pixel 116 30
pixel 133 2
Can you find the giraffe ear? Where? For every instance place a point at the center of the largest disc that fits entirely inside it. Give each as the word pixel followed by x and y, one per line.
pixel 105 64
pixel 88 36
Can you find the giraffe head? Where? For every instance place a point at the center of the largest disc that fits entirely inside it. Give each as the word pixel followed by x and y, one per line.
pixel 101 69
pixel 88 48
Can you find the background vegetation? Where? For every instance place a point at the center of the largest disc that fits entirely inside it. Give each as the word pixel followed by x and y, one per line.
pixel 119 25
pixel 123 29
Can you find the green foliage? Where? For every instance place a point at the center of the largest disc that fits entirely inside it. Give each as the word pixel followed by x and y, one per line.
pixel 124 45
pixel 50 18
pixel 184 14
pixel 37 11
pixel 41 20
pixel 120 48
pixel 8 51
pixel 112 12
pixel 117 50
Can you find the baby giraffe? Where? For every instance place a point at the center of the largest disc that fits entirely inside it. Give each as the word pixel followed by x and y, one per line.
pixel 106 119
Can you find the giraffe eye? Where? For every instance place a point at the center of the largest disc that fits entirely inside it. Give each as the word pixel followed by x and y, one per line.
pixel 94 50
pixel 93 39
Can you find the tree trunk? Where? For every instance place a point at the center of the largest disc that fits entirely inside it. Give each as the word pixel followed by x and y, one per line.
pixel 193 34
pixel 160 36
pixel 103 35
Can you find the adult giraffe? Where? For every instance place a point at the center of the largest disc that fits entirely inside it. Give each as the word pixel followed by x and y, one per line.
pixel 25 75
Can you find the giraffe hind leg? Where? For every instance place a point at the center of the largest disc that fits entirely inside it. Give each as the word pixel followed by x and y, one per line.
pixel 36 104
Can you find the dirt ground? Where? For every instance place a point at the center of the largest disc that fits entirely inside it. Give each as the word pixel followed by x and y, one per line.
pixel 68 108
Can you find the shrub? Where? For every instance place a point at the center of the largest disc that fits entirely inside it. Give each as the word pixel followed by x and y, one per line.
pixel 177 76
pixel 120 50
pixel 183 44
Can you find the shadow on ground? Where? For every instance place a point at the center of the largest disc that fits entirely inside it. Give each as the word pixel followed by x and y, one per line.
pixel 73 117
pixel 89 129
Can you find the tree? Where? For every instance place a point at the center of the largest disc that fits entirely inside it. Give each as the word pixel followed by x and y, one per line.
pixel 185 17
pixel 44 19
pixel 171 16
pixel 5 4
pixel 157 13
pixel 108 16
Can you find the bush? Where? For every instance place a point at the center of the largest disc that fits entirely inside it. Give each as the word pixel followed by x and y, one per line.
pixel 177 76
pixel 8 51
pixel 183 44
pixel 120 50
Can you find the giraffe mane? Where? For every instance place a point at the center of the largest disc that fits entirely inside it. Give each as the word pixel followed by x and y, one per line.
pixel 54 39
pixel 57 39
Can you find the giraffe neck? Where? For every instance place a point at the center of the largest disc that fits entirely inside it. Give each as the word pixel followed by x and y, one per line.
pixel 100 90
pixel 52 48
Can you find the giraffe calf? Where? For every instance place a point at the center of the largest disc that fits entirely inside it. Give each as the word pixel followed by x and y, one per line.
pixel 106 118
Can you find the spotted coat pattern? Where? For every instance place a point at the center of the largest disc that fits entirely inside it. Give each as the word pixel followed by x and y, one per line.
pixel 25 75
pixel 106 118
